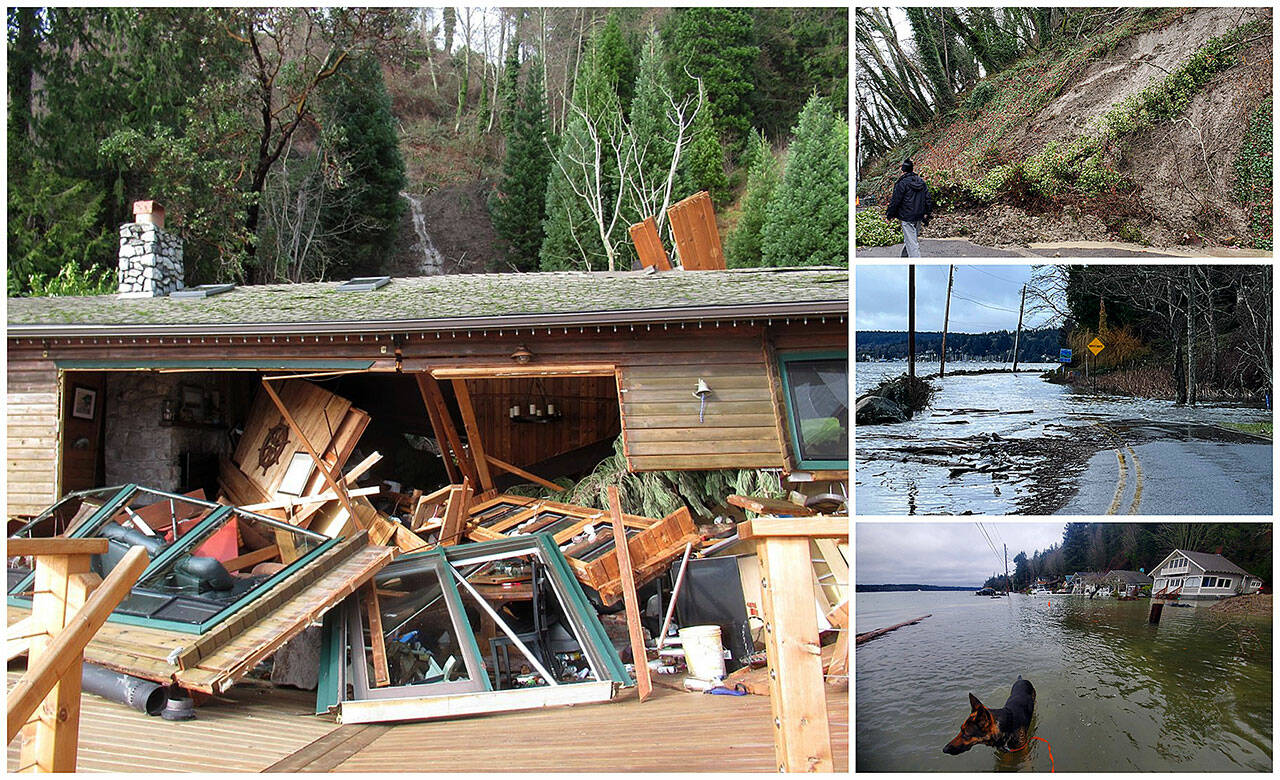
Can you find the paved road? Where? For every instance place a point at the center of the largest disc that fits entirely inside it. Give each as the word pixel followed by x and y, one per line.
pixel 959 247
pixel 1184 471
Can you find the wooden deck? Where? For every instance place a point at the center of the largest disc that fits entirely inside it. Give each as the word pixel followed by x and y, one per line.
pixel 255 727
pixel 674 731
pixel 247 729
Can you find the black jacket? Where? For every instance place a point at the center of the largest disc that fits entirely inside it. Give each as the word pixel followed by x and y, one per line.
pixel 910 201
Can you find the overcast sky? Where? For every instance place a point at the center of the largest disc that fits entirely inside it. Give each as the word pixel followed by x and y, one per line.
pixel 943 553
pixel 983 298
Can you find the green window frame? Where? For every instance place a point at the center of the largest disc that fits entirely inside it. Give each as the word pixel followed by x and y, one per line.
pixel 193 537
pixel 794 427
pixel 345 629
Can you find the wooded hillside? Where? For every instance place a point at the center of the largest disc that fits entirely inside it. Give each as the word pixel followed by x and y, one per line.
pixel 296 144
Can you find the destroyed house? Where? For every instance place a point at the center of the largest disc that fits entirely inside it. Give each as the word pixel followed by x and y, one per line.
pixel 514 375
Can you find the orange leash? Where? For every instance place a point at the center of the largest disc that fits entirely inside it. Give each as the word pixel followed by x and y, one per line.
pixel 1048 748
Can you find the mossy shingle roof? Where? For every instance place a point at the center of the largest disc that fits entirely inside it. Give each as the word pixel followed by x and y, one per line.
pixel 439 301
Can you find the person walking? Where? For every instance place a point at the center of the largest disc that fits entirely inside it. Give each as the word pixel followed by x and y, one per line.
pixel 912 205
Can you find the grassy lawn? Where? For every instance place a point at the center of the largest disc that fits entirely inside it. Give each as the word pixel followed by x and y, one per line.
pixel 1260 428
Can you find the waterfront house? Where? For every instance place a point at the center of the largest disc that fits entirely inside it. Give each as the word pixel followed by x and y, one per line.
pixel 1125 582
pixel 741 368
pixel 1198 575
pixel 1084 583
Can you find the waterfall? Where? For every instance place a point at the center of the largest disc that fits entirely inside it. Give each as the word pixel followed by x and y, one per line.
pixel 432 262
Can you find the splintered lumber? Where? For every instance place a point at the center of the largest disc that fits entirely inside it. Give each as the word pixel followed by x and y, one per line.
pixel 693 224
pixel 468 412
pixel 455 514
pixel 639 658
pixel 652 544
pixel 381 675
pixel 838 663
pixel 867 636
pixel 644 235
pixel 519 472
pixel 457 467
pixel 320 465
pixel 769 506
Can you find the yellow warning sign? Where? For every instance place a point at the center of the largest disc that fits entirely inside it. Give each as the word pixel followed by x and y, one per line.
pixel 1096 346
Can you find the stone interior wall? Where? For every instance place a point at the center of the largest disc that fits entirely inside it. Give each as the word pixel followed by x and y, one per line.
pixel 140 449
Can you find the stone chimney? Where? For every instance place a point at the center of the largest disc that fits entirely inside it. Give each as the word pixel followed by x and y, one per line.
pixel 150 257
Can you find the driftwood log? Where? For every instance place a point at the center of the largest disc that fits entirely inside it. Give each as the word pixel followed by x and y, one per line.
pixel 867 636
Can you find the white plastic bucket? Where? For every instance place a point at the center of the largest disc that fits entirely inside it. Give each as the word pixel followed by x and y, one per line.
pixel 703 652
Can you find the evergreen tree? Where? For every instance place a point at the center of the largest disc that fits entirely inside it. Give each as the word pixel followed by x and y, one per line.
pixel 519 206
pixel 702 164
pixel 717 46
pixel 509 89
pixel 652 130
pixel 360 135
pixel 583 185
pixel 807 221
pixel 616 61
pixel 762 182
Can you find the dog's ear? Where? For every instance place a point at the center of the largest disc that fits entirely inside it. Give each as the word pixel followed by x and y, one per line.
pixel 974 703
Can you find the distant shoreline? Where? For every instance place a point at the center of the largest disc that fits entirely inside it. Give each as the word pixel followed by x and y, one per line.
pixel 894 588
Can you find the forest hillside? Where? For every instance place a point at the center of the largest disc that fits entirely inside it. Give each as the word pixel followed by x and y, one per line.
pixel 1147 125
pixel 299 144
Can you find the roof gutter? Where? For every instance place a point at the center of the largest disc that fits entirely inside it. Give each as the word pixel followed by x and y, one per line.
pixel 757 311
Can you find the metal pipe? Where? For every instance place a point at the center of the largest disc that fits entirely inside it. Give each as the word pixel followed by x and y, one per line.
pixel 142 695
pixel 675 592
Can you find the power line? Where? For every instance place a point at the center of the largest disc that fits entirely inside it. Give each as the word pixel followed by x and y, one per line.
pixel 955 294
pixel 980 270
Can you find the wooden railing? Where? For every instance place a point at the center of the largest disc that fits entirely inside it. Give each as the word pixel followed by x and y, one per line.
pixel 797 693
pixel 70 604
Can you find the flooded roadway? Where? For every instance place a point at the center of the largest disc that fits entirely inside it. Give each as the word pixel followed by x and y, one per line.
pixel 997 443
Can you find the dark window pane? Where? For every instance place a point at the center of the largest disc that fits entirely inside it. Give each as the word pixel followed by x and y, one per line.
pixel 819 403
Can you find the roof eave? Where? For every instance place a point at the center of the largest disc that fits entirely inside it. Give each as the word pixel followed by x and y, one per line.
pixel 747 312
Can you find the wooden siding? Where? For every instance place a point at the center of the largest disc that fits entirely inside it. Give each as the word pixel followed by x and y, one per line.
pixel 589 406
pixel 658 366
pixel 31 437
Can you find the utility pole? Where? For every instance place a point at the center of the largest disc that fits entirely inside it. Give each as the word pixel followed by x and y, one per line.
pixel 946 318
pixel 1018 334
pixel 911 321
pixel 1006 570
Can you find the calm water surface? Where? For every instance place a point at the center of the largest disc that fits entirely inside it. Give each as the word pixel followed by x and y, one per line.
pixel 886 484
pixel 1113 694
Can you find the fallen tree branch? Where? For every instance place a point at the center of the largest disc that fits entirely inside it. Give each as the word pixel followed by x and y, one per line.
pixel 867 636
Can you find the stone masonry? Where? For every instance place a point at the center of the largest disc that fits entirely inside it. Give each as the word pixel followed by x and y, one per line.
pixel 150 261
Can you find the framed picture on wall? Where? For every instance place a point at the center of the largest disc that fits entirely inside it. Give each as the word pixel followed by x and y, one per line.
pixel 84 403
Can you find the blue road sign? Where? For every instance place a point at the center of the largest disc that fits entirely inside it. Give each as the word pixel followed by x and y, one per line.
pixel 1064 356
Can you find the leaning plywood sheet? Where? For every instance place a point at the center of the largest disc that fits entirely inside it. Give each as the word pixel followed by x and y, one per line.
pixel 268 444
pixel 583 535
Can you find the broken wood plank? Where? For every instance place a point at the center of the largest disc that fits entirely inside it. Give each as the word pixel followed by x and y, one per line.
pixel 519 472
pixel 463 395
pixel 867 636
pixel 769 506
pixel 644 235
pixel 639 658
pixel 285 501
pixel 377 642
pixel 428 708
pixel 455 515
pixel 693 225
pixel 252 558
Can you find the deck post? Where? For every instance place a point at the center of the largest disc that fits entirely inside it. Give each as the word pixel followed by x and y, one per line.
pixel 802 735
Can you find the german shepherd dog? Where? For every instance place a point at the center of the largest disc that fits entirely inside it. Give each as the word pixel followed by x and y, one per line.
pixel 1003 729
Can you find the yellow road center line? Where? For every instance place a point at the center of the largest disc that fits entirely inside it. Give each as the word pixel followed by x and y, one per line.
pixel 1120 480
pixel 1137 481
